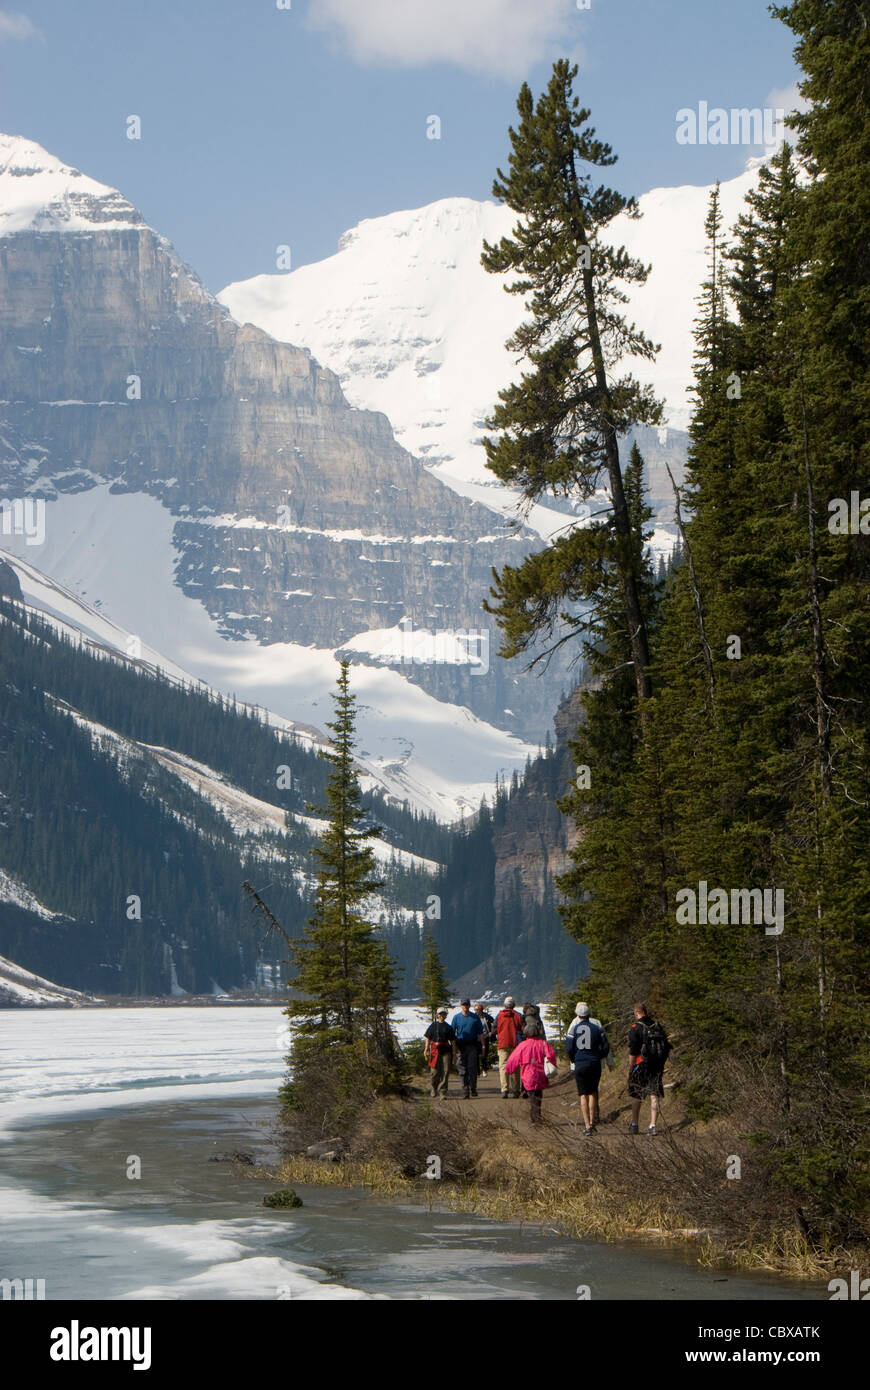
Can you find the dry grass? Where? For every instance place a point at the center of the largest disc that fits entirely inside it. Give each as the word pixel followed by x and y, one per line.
pixel 782 1252
pixel 373 1174
pixel 587 1214
pixel 671 1191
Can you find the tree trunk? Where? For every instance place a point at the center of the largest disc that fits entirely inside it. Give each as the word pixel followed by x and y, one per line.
pixel 696 592
pixel 637 633
pixel 823 721
pixel 781 1045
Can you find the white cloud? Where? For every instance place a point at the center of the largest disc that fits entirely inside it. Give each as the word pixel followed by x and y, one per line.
pixel 786 99
pixel 502 37
pixel 17 26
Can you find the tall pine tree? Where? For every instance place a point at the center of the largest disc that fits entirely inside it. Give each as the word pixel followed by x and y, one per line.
pixel 344 975
pixel 559 427
pixel 433 984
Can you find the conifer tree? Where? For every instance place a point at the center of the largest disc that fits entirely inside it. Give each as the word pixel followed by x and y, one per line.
pixel 751 767
pixel 433 984
pixel 344 975
pixel 559 427
pixel 561 1009
pixel 752 792
pixel 614 890
pixel 824 612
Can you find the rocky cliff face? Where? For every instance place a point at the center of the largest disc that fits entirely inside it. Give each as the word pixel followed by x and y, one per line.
pixel 530 845
pixel 10 585
pixel 534 840
pixel 299 518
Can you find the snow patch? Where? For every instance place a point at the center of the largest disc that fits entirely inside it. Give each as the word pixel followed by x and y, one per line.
pixel 413 326
pixel 15 892
pixel 118 549
pixel 38 193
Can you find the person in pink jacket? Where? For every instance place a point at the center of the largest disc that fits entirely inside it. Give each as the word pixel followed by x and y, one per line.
pixel 529 1057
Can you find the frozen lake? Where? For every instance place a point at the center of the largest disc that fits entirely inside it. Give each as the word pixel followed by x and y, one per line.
pixel 84 1091
pixel 61 1061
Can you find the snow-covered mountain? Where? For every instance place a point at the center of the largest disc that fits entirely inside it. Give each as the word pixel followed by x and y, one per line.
pixel 412 324
pixel 215 494
pixel 117 783
pixel 415 748
pixel 273 524
pixel 39 193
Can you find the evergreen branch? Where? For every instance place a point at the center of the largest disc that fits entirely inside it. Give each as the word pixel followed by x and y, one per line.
pixel 260 906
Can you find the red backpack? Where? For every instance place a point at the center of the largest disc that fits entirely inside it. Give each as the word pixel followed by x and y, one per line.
pixel 507 1039
pixel 436 1048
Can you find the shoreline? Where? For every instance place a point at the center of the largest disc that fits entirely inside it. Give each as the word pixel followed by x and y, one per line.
pixel 124 1070
pixel 357 1239
pixel 696 1248
pixel 666 1192
pixel 158 1001
pixel 196 1001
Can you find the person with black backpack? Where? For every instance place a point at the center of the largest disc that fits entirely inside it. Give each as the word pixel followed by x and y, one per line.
pixel 648 1049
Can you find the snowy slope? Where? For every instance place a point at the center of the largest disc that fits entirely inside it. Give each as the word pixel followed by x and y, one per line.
pixel 414 326
pixel 21 989
pixel 437 756
pixel 669 236
pixel 246 814
pixel 16 893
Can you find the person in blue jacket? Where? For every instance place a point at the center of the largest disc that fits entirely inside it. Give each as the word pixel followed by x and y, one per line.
pixel 469 1034
pixel 587 1046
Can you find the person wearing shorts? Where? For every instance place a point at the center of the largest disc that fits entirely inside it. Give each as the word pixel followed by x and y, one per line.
pixel 587 1044
pixel 643 1080
pixel 643 1083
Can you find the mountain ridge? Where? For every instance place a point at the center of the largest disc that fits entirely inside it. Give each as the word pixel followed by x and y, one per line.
pixel 298 522
pixel 414 326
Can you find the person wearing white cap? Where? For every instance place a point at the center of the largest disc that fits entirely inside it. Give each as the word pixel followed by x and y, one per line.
pixel 508 1032
pixel 587 1046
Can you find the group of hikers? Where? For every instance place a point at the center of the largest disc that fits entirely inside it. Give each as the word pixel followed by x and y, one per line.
pixel 527 1062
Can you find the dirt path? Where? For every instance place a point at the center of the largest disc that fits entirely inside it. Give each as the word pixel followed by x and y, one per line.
pixel 561 1105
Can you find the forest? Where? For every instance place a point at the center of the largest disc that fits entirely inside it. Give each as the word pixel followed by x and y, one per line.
pixel 85 828
pixel 724 729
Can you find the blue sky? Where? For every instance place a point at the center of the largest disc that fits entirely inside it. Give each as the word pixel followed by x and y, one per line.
pixel 264 126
